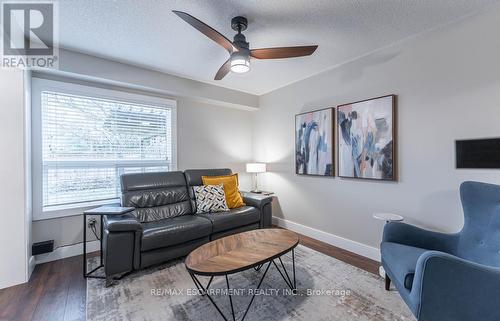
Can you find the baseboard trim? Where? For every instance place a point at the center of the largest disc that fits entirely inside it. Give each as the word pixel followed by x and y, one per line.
pixel 338 241
pixel 67 251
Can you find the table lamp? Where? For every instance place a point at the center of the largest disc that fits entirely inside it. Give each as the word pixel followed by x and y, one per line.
pixel 256 168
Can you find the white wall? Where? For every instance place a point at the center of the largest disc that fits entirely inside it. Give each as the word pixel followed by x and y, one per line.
pixel 212 136
pixel 448 85
pixel 15 225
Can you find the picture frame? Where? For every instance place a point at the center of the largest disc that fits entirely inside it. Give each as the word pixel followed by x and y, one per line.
pixel 367 139
pixel 315 143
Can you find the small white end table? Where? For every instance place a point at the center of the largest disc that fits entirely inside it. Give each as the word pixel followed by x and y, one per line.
pixel 387 217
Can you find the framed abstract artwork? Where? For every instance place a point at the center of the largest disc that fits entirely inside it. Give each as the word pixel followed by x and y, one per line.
pixel 367 139
pixel 314 143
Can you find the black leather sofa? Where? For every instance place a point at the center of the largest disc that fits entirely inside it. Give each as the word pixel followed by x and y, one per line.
pixel 130 243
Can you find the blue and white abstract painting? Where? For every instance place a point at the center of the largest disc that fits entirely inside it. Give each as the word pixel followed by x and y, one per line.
pixel 366 142
pixel 314 143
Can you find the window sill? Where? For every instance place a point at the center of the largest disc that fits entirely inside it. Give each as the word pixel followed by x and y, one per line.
pixel 59 211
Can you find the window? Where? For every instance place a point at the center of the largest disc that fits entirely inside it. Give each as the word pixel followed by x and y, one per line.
pixel 84 138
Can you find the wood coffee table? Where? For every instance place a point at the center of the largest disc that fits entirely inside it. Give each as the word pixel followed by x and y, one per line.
pixel 239 252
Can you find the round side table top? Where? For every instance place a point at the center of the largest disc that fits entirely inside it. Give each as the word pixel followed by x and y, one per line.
pixel 388 217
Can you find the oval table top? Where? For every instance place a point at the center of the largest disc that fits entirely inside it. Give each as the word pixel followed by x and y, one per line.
pixel 241 251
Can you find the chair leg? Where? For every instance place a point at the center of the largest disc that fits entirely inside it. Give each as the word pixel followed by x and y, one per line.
pixel 387 283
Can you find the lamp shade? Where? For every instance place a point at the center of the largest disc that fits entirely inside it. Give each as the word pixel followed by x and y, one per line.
pixel 256 167
pixel 240 62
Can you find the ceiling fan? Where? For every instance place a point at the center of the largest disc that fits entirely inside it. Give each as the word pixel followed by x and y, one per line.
pixel 240 54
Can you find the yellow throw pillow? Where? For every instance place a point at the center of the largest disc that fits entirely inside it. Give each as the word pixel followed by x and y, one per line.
pixel 230 182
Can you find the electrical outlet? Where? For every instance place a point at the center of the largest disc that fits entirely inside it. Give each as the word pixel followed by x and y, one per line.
pixel 91 222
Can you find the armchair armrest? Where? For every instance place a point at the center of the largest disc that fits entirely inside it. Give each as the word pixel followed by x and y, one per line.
pixel 448 288
pixel 406 234
pixel 263 203
pixel 122 223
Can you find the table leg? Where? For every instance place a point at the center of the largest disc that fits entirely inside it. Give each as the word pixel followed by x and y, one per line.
pixel 199 285
pixel 100 241
pixel 258 287
pixel 204 291
pixel 230 298
pixel 101 263
pixel 84 245
pixel 285 275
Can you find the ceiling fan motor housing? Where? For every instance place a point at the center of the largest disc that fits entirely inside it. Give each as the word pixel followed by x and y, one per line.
pixel 240 41
pixel 239 23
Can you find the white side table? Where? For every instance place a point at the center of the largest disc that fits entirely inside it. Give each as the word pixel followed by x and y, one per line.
pixel 387 217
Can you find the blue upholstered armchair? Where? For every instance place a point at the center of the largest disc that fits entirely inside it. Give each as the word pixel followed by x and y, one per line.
pixel 450 277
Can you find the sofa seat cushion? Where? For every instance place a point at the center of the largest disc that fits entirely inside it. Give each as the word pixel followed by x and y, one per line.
pixel 173 231
pixel 236 217
pixel 401 260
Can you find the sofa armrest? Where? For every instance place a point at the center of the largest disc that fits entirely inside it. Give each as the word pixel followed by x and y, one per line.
pixel 448 288
pixel 256 200
pixel 410 235
pixel 122 223
pixel 121 244
pixel 263 204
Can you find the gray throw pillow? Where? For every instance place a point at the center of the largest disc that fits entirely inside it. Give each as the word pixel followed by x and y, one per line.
pixel 210 198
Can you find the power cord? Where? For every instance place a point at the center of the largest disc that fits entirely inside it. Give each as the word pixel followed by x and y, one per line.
pixel 93 228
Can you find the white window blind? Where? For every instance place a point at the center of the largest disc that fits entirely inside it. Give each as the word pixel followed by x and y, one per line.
pixel 88 142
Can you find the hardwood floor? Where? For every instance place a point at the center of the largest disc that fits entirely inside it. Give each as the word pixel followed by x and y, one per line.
pixel 57 290
pixel 341 254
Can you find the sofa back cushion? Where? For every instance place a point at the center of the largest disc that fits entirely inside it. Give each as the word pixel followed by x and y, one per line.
pixel 193 178
pixel 156 196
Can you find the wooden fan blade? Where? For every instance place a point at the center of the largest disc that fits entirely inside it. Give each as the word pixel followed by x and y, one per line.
pixel 282 52
pixel 206 30
pixel 223 70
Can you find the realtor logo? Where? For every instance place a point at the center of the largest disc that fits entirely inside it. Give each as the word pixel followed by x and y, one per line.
pixel 29 35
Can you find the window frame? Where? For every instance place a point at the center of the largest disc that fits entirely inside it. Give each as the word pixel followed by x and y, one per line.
pixel 39 85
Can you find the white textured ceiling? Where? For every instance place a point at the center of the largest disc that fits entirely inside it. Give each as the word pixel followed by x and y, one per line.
pixel 147 33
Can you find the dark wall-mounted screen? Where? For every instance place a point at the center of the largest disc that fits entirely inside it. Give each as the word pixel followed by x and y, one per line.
pixel 478 153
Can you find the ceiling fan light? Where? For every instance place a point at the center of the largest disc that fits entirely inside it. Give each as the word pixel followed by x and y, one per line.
pixel 240 63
